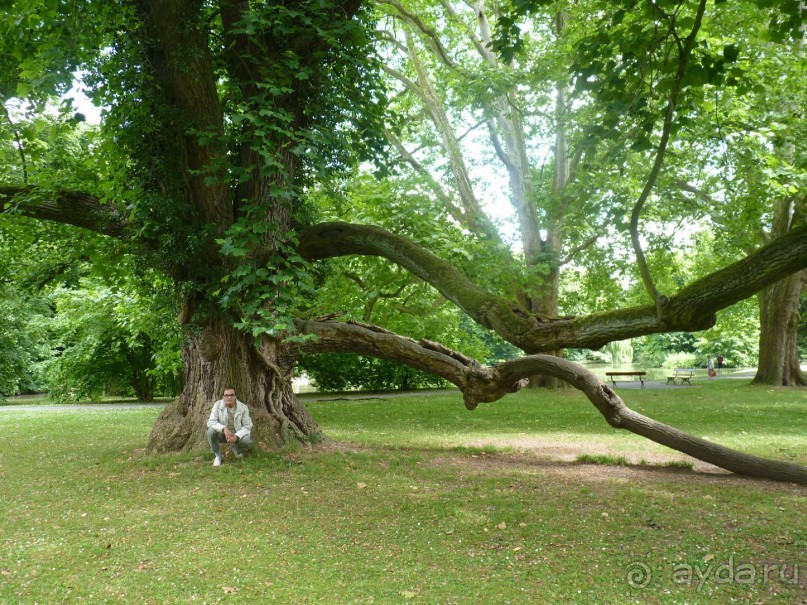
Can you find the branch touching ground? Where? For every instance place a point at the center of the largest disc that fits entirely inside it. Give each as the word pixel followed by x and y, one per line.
pixel 618 415
pixel 479 384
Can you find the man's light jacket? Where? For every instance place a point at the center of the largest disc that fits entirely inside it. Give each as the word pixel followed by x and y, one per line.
pixel 241 420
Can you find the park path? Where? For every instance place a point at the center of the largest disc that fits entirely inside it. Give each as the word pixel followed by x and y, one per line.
pixel 16 405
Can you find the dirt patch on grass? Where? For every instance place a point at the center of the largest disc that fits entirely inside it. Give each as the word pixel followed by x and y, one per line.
pixel 568 470
pixel 525 462
pixel 566 451
pixel 559 460
pixel 571 451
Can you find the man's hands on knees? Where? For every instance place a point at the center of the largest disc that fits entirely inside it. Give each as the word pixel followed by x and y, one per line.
pixel 230 436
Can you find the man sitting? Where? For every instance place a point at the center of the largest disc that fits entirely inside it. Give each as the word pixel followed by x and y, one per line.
pixel 229 422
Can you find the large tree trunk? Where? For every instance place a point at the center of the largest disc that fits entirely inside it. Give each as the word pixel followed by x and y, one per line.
pixel 779 315
pixel 545 304
pixel 219 356
pixel 779 323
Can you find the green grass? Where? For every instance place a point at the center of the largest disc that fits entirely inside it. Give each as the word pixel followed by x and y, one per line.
pixel 419 506
pixel 601 459
pixel 760 420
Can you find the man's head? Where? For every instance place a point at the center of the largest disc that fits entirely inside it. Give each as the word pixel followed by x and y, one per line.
pixel 229 396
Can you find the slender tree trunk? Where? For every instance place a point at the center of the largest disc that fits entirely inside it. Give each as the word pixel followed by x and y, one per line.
pixel 139 361
pixel 219 356
pixel 779 323
pixel 144 391
pixel 546 303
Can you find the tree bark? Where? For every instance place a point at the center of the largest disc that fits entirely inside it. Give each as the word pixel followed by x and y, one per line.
pixel 219 356
pixel 68 207
pixel 779 322
pixel 215 353
pixel 779 307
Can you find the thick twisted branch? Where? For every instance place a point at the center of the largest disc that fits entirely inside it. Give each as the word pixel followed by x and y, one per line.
pixel 341 239
pixel 483 384
pixel 692 309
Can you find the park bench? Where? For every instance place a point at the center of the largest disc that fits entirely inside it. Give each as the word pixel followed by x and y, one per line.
pixel 635 375
pixel 682 374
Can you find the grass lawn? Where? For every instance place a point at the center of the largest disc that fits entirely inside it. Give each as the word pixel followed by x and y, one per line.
pixel 420 501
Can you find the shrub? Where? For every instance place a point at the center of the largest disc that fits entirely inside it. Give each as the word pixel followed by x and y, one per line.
pixel 343 371
pixel 680 360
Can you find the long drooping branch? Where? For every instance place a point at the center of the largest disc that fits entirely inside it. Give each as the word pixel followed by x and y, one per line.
pixel 68 207
pixel 483 384
pixel 618 415
pixel 340 239
pixel 672 105
pixel 364 339
pixel 693 308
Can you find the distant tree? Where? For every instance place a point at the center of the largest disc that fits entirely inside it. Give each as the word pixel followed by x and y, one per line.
pixel 112 339
pixel 22 341
pixel 651 351
pixel 93 318
pixel 619 351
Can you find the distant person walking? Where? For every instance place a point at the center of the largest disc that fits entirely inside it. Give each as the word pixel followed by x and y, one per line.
pixel 710 367
pixel 719 364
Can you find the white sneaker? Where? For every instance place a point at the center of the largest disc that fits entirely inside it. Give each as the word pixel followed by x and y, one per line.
pixel 217 461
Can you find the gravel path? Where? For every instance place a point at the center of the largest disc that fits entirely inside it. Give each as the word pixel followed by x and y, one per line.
pixel 15 404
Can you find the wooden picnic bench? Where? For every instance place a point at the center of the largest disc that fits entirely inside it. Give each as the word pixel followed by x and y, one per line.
pixel 685 375
pixel 635 375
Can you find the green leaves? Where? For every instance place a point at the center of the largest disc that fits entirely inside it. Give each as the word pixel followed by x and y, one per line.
pixel 508 41
pixel 270 282
pixel 731 52
pixel 119 334
pixel 22 341
pixel 786 18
